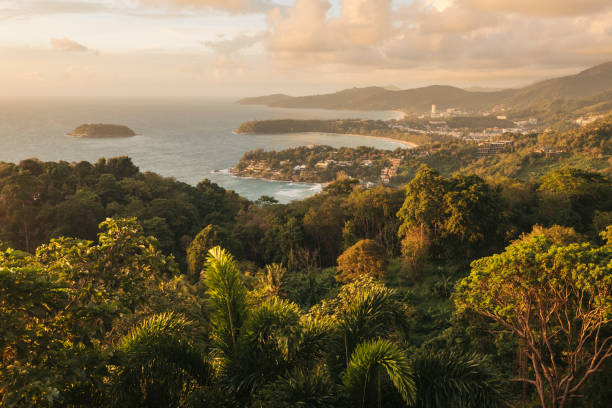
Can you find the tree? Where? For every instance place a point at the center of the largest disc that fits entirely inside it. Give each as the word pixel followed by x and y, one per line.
pixel 61 303
pixel 557 300
pixel 571 196
pixel 374 216
pixel 197 251
pixel 19 197
pixel 365 309
pixel 273 281
pixel 415 247
pixel 324 223
pixel 459 214
pixel 423 203
pixel 227 295
pixel 267 342
pixel 300 388
pixel 369 362
pixel 366 257
pixel 158 364
pixel 448 379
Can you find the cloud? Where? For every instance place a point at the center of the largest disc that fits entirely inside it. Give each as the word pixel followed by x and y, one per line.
pixel 449 18
pixel 231 6
pixel 67 45
pixel 157 9
pixel 445 34
pixel 540 8
pixel 28 8
pixel 238 43
pixel 306 27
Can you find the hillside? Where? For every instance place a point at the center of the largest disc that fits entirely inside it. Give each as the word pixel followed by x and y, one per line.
pixel 376 98
pixel 582 85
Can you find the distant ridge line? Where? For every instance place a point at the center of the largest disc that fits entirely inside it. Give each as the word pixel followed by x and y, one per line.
pixel 586 83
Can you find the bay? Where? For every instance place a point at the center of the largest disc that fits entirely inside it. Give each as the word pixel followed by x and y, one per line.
pixel 189 140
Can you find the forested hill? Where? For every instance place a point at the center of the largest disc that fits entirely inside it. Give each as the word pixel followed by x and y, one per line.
pixel 581 85
pixel 376 98
pixel 43 200
pixel 425 296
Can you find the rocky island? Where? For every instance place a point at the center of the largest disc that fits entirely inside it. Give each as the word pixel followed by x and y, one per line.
pixel 102 130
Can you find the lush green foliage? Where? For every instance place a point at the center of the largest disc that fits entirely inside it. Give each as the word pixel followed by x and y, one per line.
pixel 448 379
pixel 110 318
pixel 40 201
pixel 557 300
pixel 366 257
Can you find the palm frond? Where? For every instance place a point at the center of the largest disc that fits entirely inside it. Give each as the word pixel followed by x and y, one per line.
pixel 158 364
pixel 300 388
pixel 458 380
pixel 265 346
pixel 373 358
pixel 227 295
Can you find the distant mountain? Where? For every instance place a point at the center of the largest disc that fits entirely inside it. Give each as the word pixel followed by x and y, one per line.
pixel 377 98
pixel 584 84
pixel 483 89
pixel 270 100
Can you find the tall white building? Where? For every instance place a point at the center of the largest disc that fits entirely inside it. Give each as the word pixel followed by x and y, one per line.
pixel 433 109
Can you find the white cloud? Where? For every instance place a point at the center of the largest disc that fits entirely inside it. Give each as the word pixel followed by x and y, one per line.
pixel 68 45
pixel 454 35
pixel 540 7
pixel 235 44
pixel 231 6
pixel 306 27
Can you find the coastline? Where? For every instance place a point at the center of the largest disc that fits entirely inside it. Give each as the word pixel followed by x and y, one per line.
pixel 86 136
pixel 391 139
pixel 409 145
pixel 229 172
pixel 399 112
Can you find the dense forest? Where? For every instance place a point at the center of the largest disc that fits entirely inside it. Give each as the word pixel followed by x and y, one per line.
pixel 125 289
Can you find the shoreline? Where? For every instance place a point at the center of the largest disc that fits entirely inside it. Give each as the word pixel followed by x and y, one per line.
pixel 402 114
pixel 409 145
pixel 228 172
pixel 391 139
pixel 85 136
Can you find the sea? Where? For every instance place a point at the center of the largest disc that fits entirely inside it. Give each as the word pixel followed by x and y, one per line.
pixel 189 140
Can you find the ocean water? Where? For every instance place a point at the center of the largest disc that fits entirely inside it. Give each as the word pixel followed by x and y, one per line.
pixel 189 140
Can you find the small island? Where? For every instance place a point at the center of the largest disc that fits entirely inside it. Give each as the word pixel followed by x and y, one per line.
pixel 102 130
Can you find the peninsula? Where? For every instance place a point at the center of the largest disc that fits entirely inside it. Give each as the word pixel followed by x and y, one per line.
pixel 102 130
pixel 362 127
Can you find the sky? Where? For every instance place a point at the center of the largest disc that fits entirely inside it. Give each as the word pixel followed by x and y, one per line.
pixel 233 48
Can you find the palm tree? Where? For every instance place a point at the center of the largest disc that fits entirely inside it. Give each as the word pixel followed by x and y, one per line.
pixel 158 365
pixel 273 282
pixel 449 379
pixel 265 345
pixel 300 388
pixel 227 295
pixel 370 361
pixel 367 309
